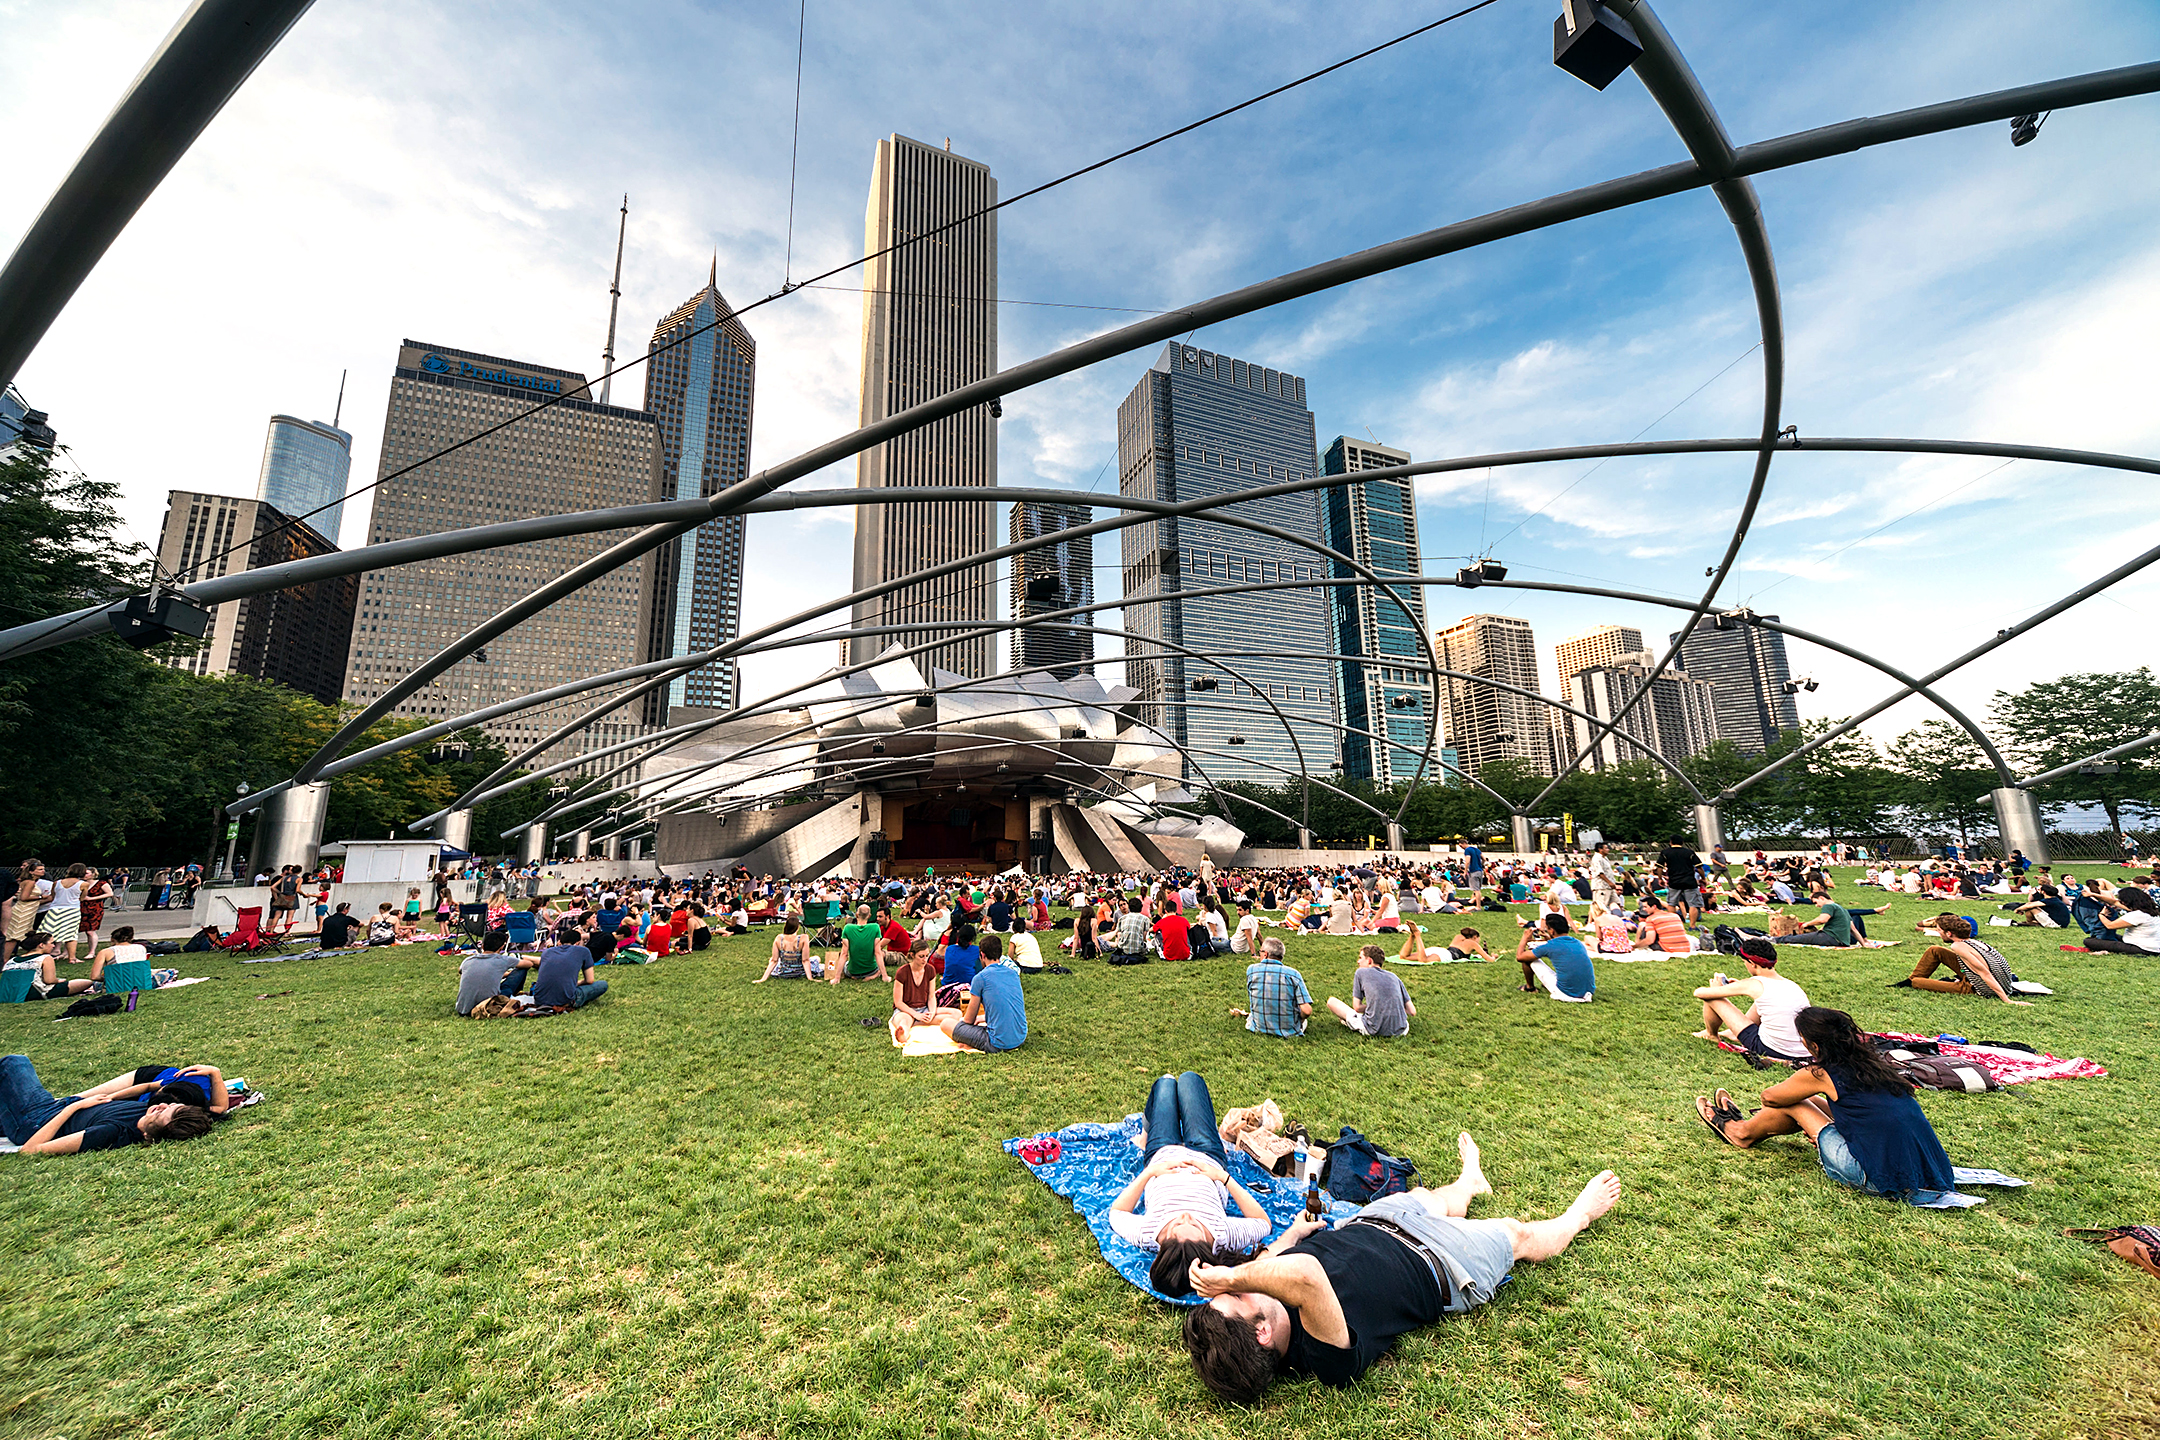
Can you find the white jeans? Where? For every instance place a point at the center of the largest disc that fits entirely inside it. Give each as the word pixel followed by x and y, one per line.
pixel 1551 982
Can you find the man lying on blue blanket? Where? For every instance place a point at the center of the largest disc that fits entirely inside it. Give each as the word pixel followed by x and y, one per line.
pixel 1328 1303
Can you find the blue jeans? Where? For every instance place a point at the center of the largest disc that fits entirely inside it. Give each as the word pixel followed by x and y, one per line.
pixel 588 993
pixel 25 1103
pixel 1180 1112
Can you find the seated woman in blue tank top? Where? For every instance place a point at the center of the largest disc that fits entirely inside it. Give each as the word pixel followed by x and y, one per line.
pixel 1869 1132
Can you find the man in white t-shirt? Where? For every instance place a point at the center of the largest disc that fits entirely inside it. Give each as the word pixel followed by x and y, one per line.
pixel 1245 940
pixel 1767 1026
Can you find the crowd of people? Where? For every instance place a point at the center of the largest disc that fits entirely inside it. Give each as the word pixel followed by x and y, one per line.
pixel 954 951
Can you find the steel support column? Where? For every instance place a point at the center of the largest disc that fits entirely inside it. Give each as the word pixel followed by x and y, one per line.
pixel 532 845
pixel 455 829
pixel 1520 835
pixel 2017 815
pixel 1709 829
pixel 1395 837
pixel 290 829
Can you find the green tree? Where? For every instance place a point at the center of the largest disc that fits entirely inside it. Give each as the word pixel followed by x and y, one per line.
pixel 1842 788
pixel 1941 774
pixel 2060 721
pixel 1768 808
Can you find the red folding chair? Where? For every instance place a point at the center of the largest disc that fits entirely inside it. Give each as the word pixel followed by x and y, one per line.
pixel 246 932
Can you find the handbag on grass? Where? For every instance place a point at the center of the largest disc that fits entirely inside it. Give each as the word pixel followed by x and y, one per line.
pixel 2139 1244
pixel 2135 1242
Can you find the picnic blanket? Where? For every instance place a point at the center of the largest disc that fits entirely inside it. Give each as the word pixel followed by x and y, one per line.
pixel 930 1040
pixel 1096 1162
pixel 2012 1066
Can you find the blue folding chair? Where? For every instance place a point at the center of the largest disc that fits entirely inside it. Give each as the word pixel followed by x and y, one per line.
pixel 523 929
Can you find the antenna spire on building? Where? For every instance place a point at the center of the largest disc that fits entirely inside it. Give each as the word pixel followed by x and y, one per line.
pixel 607 356
pixel 339 414
pixel 712 277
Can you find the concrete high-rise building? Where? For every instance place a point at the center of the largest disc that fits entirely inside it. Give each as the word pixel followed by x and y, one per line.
pixel 1747 671
pixel 1593 648
pixel 929 327
pixel 21 426
pixel 304 467
pixel 699 386
pixel 1385 691
pixel 1201 424
pixel 297 637
pixel 573 455
pixel 1676 720
pixel 1485 724
pixel 1054 577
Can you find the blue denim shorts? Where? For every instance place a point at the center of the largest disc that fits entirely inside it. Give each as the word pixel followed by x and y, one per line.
pixel 1838 1161
pixel 1480 1252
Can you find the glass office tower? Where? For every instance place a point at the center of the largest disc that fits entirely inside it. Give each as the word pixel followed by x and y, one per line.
pixel 1056 577
pixel 304 467
pixel 1385 689
pixel 1747 671
pixel 699 385
pixel 1201 424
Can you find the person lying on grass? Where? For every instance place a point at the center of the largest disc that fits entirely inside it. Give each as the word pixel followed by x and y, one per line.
pixel 122 1111
pixel 1328 1303
pixel 1178 1205
pixel 994 1016
pixel 1976 967
pixel 1870 1134
pixel 1766 1027
pixel 1379 1005
pixel 1465 945
pixel 1555 961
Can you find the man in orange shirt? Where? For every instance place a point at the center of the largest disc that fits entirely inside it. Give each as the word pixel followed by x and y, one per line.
pixel 1661 929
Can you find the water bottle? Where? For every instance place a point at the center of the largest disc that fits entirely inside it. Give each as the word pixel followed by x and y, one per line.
pixel 1299 1155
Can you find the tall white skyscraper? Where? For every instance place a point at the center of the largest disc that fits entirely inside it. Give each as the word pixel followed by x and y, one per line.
pixel 1484 723
pixel 304 467
pixel 929 326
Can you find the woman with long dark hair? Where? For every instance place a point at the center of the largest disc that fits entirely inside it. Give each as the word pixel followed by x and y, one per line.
pixel 1178 1205
pixel 1869 1132
pixel 2134 918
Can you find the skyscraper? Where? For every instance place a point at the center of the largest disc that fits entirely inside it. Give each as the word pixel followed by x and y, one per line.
pixel 1676 720
pixel 297 637
pixel 21 426
pixel 304 467
pixel 1375 523
pixel 574 455
pixel 1592 648
pixel 929 326
pixel 1055 577
pixel 1485 724
pixel 1746 668
pixel 1201 424
pixel 699 386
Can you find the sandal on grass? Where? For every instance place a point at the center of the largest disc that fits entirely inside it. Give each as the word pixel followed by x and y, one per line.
pixel 1716 1120
pixel 1722 1102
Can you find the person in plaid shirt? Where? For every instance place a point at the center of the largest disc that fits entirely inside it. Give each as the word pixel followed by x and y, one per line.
pixel 1280 1002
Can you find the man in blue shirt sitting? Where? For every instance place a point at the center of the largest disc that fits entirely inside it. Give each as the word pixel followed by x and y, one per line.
pixel 564 978
pixel 995 1016
pixel 1559 963
pixel 1279 1002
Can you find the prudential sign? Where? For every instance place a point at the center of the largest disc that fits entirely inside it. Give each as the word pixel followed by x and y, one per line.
pixel 466 370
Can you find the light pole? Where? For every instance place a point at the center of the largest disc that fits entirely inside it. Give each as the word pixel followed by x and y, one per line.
pixel 232 833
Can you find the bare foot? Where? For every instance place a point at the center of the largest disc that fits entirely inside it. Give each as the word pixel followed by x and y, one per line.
pixel 1704 1035
pixel 1599 1196
pixel 1473 1172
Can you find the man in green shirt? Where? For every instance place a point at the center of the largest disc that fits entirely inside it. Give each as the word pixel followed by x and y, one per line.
pixel 1831 929
pixel 859 943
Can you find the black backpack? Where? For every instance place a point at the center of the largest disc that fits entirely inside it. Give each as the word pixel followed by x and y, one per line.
pixel 1360 1172
pixel 94 1005
pixel 1727 938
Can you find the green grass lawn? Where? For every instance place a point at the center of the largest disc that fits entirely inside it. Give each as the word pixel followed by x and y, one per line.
pixel 699 1208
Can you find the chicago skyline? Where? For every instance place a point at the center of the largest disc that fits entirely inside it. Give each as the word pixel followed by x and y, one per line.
pixel 574 455
pixel 1746 666
pixel 1485 724
pixel 700 385
pixel 1375 523
pixel 1199 424
pixel 305 466
pixel 929 326
pixel 1055 577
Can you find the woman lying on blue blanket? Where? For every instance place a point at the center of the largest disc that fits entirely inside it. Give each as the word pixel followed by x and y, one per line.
pixel 1184 1186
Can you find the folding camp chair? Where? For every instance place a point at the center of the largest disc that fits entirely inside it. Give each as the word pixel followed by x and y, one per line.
pixel 815 913
pixel 523 928
pixel 472 920
pixel 246 932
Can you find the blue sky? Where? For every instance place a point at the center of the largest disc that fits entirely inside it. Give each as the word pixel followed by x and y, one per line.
pixel 451 172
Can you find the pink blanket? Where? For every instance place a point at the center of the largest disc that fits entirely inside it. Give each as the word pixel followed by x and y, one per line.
pixel 2013 1067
